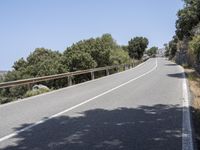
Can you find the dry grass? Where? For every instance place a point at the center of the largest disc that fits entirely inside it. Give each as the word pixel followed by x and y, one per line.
pixel 194 84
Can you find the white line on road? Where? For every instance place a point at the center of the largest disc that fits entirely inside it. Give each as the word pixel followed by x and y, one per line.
pixel 187 141
pixel 71 108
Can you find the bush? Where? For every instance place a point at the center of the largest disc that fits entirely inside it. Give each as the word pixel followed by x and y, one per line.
pixel 36 92
pixel 4 100
pixel 194 47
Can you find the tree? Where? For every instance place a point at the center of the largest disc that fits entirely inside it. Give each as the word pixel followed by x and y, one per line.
pixel 173 47
pixel 124 47
pixel 21 63
pixel 39 63
pixel 44 62
pixel 78 60
pixel 119 56
pixel 188 18
pixel 194 47
pixel 137 46
pixel 99 48
pixel 166 50
pixel 152 51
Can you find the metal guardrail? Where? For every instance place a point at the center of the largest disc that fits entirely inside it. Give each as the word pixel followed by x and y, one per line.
pixel 69 75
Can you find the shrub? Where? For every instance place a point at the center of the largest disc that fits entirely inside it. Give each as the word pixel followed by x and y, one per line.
pixel 36 92
pixel 194 47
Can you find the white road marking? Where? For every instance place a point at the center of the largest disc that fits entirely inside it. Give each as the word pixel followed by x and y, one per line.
pixel 71 108
pixel 187 141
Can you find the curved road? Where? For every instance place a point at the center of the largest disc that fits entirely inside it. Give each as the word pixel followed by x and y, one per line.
pixel 140 109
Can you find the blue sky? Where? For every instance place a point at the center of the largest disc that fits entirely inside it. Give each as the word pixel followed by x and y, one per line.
pixel 56 24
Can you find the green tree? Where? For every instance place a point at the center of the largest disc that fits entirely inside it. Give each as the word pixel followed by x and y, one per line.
pixel 44 62
pixel 124 47
pixel 152 51
pixel 194 47
pixel 100 49
pixel 137 46
pixel 171 47
pixel 188 18
pixel 166 50
pixel 78 60
pixel 119 56
pixel 39 63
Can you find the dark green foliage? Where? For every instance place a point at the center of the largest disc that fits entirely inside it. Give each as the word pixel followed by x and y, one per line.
pixel 152 51
pixel 1 78
pixel 99 49
pixel 78 60
pixel 125 48
pixel 41 62
pixel 137 46
pixel 44 62
pixel 194 46
pixel 166 50
pixel 171 47
pixel 188 18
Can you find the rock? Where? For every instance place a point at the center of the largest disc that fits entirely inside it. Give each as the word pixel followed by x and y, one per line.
pixel 40 86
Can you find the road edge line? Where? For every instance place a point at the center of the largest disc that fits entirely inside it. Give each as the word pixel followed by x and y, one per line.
pixel 187 138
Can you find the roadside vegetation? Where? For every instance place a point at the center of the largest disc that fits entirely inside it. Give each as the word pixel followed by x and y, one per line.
pixel 85 54
pixel 186 41
pixel 152 51
pixel 184 48
pixel 36 90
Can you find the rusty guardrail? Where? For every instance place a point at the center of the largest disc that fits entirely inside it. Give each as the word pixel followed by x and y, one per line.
pixel 69 75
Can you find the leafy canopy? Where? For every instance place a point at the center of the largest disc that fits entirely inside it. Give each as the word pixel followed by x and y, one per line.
pixel 137 46
pixel 152 51
pixel 188 18
pixel 194 46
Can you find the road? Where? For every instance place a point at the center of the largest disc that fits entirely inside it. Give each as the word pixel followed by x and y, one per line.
pixel 140 109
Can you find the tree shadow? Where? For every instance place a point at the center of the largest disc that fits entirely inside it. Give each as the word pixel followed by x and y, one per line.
pixel 176 75
pixel 146 127
pixel 171 65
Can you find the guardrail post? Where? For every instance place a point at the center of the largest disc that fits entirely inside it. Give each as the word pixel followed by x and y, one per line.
pixel 107 72
pixel 69 80
pixel 124 67
pixel 92 75
pixel 29 86
pixel 117 69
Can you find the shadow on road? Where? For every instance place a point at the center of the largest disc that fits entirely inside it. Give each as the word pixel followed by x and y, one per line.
pixel 146 127
pixel 171 65
pixel 176 75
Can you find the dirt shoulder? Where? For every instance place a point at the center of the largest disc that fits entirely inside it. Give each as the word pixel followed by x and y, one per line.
pixel 194 84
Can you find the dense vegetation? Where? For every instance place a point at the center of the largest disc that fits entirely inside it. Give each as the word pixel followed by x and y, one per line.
pixel 86 54
pixel 152 51
pixel 137 46
pixel 187 31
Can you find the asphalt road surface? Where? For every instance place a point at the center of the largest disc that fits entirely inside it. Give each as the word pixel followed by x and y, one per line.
pixel 138 109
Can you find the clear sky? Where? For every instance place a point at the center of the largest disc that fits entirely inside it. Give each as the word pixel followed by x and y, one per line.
pixel 56 24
